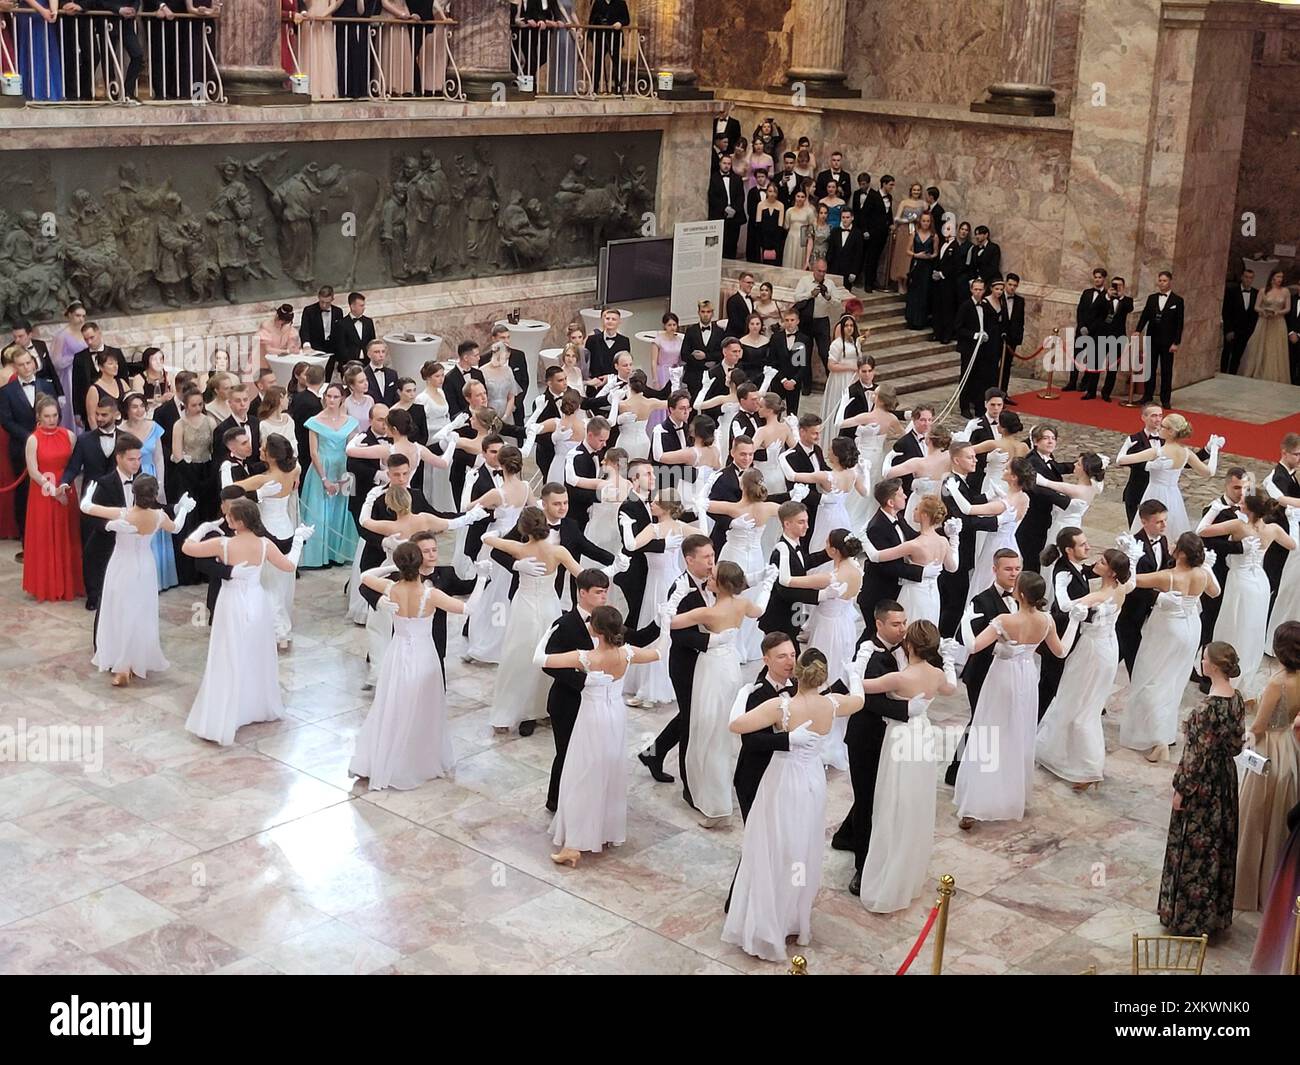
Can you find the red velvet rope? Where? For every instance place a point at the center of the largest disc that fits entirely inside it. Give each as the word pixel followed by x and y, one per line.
pixel 920 942
pixel 14 484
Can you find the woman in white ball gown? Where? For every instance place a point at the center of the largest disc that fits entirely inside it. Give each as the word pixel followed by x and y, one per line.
pixel 833 628
pixel 902 811
pixel 1243 618
pixel 927 471
pixel 635 409
pixel 1007 710
pixel 277 501
pixel 486 627
pixel 744 546
pixel 1081 487
pixel 872 431
pixel 934 549
pixel 1165 464
pixel 786 828
pixel 126 626
pixel 406 739
pixel 648 684
pixel 711 750
pixel 842 367
pixel 1070 742
pixel 566 433
pixel 241 682
pixel 846 477
pixel 1286 605
pixel 592 808
pixel 1171 638
pixel 1011 487
pixel 520 687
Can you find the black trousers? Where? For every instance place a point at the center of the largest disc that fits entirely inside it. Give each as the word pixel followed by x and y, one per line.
pixel 678 730
pixel 563 717
pixel 731 236
pixel 871 261
pixel 1233 350
pixel 821 338
pixel 864 763
pixel 1049 679
pixel 1128 634
pixel 974 685
pixel 97 549
pixel 1004 376
pixel 1162 361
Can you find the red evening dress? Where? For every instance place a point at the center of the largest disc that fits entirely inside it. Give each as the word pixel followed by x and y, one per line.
pixel 52 560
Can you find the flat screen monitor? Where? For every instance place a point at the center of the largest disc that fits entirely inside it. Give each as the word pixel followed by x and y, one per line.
pixel 636 270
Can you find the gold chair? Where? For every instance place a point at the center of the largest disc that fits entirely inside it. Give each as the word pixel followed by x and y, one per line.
pixel 1169 954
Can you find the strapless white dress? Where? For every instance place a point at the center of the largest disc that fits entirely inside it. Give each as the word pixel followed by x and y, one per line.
pixel 1070 742
pixel 1171 639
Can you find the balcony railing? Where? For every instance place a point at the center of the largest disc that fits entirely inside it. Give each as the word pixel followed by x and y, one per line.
pixel 101 57
pixel 582 60
pixel 372 59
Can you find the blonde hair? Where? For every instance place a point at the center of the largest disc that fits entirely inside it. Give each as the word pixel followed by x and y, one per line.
pixel 752 487
pixel 398 500
pixel 810 670
pixel 1178 425
pixel 932 509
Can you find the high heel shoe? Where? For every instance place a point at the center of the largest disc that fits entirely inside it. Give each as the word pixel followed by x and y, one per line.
pixel 121 680
pixel 568 857
pixel 1085 786
pixel 966 824
pixel 1159 753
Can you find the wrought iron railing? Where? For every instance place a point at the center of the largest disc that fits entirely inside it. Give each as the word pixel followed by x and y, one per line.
pixel 102 57
pixel 581 60
pixel 376 59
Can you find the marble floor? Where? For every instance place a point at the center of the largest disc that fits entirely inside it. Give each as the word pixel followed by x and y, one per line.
pixel 171 855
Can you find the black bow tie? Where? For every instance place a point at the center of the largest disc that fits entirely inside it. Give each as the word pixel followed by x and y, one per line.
pixel 27 384
pixel 107 433
pixel 1008 595
pixel 554 528
pixel 128 480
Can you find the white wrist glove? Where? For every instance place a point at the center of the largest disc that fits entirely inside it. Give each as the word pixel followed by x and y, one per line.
pixel 529 567
pixel 201 531
pixel 1211 557
pixel 468 518
pixel 995 488
pixel 803 737
pixel 619 565
pixel 793 422
pixel 834 590
pixel 949 649
pixel 183 506
pixel 738 704
pixel 798 493
pixel 303 533
pixel 484 566
pixel 1215 443
pixel 539 652
pixel 952 528
pixel 675 378
pixel 1078 612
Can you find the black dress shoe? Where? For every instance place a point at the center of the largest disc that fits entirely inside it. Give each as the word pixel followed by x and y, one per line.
pixel 950 776
pixel 526 727
pixel 1086 396
pixel 18 557
pixel 839 843
pixel 656 767
pixel 1070 388
pixel 91 606
pixel 550 807
pixel 1105 399
pixel 855 885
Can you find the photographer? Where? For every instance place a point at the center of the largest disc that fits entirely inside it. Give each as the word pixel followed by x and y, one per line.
pixel 817 298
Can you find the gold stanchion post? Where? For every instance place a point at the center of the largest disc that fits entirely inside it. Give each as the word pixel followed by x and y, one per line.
pixel 1129 401
pixel 1049 392
pixel 947 888
pixel 798 966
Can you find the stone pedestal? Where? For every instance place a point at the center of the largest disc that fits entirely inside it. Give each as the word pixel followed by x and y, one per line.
pixel 669 26
pixel 249 36
pixel 817 49
pixel 481 44
pixel 1027 55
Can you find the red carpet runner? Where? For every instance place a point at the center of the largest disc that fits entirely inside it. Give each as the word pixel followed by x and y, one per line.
pixel 1252 439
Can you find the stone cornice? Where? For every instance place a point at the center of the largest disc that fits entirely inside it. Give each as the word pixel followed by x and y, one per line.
pixel 1223 14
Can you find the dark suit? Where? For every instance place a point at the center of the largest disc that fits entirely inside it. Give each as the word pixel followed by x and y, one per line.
pixel 352 346
pixel 792 358
pixel 686 646
pixel 585 464
pixel 842 179
pixel 381 384
pixel 954 586
pixel 365 471
pixel 219 450
pixel 1031 537
pixel 303 406
pixel 1138 478
pixel 801 460
pixel 602 351
pixel 948 294
pixel 844 254
pixel 1013 335
pixel 1050 667
pixel 883 580
pixel 727 190
pixel 983 608
pixel 972 320
pixel 1239 319
pixel 739 308
pixel 986 261
pixel 1222 546
pixel 569 633
pixel 453 388
pixel 18 417
pixel 1087 313
pixel 788 608
pixel 1111 325
pixel 1139 603
pixel 725 489
pixel 311 331
pixel 1165 328
pixel 907 446
pixel 633 579
pixel 694 340
pixel 865 736
pixel 97 547
pixel 880 218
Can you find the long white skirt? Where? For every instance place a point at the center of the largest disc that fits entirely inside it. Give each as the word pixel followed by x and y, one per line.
pixel 1006 715
pixel 902 817
pixel 712 747
pixel 1243 618
pixel 1286 607
pixel 126 636
pixel 592 806
pixel 1165 659
pixel 487 625
pixel 785 832
pixel 1070 742
pixel 521 687
pixel 832 630
pixel 405 740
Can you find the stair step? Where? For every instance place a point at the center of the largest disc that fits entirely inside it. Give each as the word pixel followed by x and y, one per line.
pixel 903 352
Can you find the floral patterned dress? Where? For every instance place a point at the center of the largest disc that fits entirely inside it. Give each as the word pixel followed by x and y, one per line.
pixel 1197 888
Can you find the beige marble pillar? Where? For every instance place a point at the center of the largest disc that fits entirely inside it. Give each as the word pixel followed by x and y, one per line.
pixel 817 47
pixel 669 28
pixel 481 44
pixel 1027 37
pixel 249 54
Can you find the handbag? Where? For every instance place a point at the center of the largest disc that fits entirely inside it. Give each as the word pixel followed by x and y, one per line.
pixel 769 255
pixel 348 484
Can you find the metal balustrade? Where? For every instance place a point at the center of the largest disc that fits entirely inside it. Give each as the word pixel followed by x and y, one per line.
pixel 581 60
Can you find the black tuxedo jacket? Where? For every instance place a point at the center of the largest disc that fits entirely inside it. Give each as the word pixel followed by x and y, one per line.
pixel 858 203
pixel 986 261
pixel 1014 320
pixel 726 489
pixel 792 361
pixel 880 215
pixel 786 186
pixel 382 391
pixel 686 645
pixel 726 190
pixel 84 373
pixel 982 431
pixel 18 417
pixel 1113 319
pixel 1164 328
pixel 364 470
pixel 968 325
pixel 585 464
pixel 970 523
pixel 1089 310
pixel 882 580
pixel 372 553
pixel 1075 588
pixel 88 460
pixel 844 253
pixel 801 462
pixel 45 365
pixel 219 450
pixel 352 347
pixel 1139 603
pixel 908 446
pixel 484 482
pixel 694 340
pixel 756 748
pixel 99 545
pixel 569 633
pixel 167 415
pixel 311 328
pixel 738 311
pixel 842 180
pixel 303 406
pixel 1038 518
pixel 867 726
pixel 858 404
pixel 453 387
pixel 214 569
pixel 602 351
pixel 1240 316
pixel 781 613
pixel 982 610
pixel 572 539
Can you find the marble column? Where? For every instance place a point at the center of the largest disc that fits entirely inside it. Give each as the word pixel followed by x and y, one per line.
pixel 481 44
pixel 817 48
pixel 249 55
pixel 669 27
pixel 1027 60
